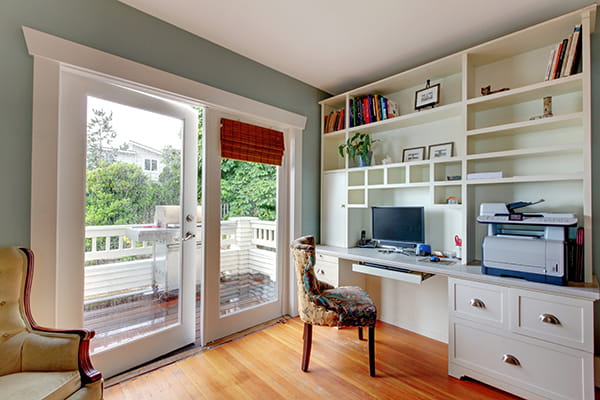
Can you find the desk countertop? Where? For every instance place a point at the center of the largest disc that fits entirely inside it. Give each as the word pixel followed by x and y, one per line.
pixel 456 270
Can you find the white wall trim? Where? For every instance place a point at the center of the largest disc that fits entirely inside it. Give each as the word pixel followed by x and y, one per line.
pixel 44 45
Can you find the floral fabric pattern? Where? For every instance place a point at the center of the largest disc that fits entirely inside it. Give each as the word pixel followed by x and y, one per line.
pixel 320 303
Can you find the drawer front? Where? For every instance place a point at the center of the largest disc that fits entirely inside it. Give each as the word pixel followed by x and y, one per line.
pixel 478 302
pixel 326 258
pixel 505 361
pixel 327 272
pixel 557 319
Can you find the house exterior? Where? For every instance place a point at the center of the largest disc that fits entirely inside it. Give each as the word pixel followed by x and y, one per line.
pixel 145 157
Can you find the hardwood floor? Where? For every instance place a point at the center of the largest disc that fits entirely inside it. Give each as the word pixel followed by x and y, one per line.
pixel 266 365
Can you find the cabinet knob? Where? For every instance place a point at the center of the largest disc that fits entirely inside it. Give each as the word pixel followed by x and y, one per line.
pixel 510 359
pixel 477 303
pixel 549 319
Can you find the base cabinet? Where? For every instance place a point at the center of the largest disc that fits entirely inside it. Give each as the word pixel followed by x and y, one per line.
pixel 487 344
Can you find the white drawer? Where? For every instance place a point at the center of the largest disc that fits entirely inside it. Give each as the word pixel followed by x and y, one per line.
pixel 558 319
pixel 327 272
pixel 479 302
pixel 544 370
pixel 326 258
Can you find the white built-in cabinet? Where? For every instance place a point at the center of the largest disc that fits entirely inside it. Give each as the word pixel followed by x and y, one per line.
pixel 546 158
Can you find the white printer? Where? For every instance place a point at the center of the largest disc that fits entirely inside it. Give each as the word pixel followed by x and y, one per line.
pixel 522 245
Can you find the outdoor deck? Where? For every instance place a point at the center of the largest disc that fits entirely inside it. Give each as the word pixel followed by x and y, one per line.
pixel 127 299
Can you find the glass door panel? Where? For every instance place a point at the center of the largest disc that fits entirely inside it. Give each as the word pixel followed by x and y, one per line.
pixel 132 252
pixel 248 274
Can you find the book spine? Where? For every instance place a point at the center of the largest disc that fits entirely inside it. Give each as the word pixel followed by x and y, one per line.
pixel 383 101
pixel 555 61
pixel 550 64
pixel 561 57
pixel 563 70
pixel 577 54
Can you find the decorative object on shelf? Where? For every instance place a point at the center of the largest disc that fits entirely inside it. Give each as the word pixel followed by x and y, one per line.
pixel 386 160
pixel 441 150
pixel 458 242
pixel 451 200
pixel 359 146
pixel 547 109
pixel 427 97
pixel 488 90
pixel 453 177
pixel 413 154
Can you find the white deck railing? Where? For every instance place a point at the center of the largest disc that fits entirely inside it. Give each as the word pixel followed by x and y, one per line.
pixel 127 265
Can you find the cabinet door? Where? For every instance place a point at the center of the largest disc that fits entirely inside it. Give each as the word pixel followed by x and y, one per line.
pixel 333 209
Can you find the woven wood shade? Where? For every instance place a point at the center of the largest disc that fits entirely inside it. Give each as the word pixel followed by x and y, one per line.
pixel 246 142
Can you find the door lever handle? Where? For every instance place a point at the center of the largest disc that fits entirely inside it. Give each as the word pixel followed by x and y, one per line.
pixel 188 236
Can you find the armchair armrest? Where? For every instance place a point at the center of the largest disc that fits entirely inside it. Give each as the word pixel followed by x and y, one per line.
pixel 81 336
pixel 68 347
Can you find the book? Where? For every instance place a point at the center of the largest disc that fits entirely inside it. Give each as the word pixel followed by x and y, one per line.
pixel 563 70
pixel 550 64
pixel 574 52
pixel 561 57
pixel 555 61
pixel 485 175
pixel 392 109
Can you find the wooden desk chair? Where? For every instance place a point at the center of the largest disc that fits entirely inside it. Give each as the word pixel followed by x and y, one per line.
pixel 36 362
pixel 322 304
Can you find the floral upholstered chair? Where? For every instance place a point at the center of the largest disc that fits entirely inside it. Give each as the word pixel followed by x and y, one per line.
pixel 35 362
pixel 321 304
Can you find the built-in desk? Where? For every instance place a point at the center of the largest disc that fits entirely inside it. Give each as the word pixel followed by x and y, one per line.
pixel 532 339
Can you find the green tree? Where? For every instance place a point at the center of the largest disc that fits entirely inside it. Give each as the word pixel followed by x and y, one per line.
pixel 119 194
pixel 250 189
pixel 100 135
pixel 169 178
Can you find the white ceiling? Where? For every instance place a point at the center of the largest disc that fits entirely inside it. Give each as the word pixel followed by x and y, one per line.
pixel 336 45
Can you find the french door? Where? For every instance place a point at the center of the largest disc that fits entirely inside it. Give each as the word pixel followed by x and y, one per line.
pixel 245 203
pixel 131 271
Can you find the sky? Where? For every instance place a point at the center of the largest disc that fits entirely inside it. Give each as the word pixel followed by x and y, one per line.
pixel 145 127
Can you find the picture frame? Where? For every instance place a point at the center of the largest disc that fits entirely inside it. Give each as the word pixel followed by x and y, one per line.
pixel 413 154
pixel 427 97
pixel 441 150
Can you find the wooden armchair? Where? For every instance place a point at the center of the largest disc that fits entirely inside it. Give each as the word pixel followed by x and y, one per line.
pixel 322 304
pixel 36 362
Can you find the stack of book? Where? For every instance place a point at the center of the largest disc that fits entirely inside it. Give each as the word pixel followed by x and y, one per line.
pixel 371 108
pixel 335 121
pixel 564 59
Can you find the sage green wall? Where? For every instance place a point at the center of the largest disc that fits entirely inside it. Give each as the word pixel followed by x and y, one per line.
pixel 118 29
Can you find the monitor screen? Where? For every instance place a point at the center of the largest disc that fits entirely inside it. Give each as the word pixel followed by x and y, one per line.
pixel 398 226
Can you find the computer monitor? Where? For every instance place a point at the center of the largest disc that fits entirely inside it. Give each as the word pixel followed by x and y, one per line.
pixel 398 226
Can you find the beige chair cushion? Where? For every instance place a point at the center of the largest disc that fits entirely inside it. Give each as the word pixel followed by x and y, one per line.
pixel 39 385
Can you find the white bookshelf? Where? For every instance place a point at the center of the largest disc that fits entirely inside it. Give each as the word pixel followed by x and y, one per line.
pixel 546 158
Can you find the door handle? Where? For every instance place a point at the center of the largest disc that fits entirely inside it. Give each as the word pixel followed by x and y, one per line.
pixel 188 236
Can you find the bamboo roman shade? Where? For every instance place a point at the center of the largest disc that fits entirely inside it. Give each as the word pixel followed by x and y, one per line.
pixel 246 142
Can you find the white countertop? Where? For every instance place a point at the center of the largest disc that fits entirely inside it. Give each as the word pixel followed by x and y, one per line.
pixel 456 270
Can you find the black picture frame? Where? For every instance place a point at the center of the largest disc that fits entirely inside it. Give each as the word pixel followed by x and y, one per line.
pixel 427 97
pixel 413 154
pixel 441 150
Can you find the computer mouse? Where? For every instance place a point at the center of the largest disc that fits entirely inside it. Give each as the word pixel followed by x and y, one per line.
pixel 434 259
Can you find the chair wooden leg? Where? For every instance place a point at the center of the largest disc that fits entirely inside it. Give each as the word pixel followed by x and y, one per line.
pixel 360 333
pixel 372 350
pixel 307 346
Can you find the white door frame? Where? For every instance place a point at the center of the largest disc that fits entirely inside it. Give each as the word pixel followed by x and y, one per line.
pixel 49 53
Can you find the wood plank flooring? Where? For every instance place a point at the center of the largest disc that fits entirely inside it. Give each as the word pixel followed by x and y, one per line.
pixel 266 365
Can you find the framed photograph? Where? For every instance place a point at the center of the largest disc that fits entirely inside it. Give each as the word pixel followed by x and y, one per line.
pixel 413 154
pixel 441 150
pixel 428 97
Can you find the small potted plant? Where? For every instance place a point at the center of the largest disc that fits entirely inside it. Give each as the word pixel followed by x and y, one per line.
pixel 359 146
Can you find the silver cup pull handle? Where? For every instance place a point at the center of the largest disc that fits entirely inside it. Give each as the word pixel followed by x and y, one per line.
pixel 188 236
pixel 549 319
pixel 510 359
pixel 477 303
